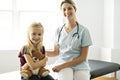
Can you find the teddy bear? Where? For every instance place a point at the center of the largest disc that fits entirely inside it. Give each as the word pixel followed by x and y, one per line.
pixel 27 72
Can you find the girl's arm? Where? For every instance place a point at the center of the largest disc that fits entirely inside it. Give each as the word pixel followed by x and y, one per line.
pixel 78 60
pixel 25 66
pixel 34 65
pixel 54 52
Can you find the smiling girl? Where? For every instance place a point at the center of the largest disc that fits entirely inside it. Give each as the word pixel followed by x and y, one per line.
pixel 34 42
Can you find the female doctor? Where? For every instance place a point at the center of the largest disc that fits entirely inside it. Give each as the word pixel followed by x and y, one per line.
pixel 72 41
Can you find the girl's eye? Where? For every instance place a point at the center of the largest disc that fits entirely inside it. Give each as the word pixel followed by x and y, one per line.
pixel 39 34
pixel 33 33
pixel 64 9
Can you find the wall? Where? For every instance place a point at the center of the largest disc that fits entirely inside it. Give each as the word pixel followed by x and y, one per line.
pixel 9 61
pixel 115 54
pixel 90 13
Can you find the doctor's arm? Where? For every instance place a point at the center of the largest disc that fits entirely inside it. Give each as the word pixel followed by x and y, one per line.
pixel 78 60
pixel 54 52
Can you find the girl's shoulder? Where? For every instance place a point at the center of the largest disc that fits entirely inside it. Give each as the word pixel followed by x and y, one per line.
pixel 23 51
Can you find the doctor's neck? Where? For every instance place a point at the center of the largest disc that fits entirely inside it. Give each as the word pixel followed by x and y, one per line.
pixel 71 23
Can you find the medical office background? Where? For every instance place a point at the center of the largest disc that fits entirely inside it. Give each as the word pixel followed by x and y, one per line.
pixel 101 17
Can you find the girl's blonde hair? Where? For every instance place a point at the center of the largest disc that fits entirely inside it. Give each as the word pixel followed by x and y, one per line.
pixel 30 46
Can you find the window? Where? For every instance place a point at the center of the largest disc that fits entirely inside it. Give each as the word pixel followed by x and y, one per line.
pixel 19 14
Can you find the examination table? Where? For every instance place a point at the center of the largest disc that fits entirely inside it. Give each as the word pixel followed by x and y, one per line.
pixel 98 69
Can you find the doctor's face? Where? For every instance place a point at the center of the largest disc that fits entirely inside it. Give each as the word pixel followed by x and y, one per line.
pixel 68 11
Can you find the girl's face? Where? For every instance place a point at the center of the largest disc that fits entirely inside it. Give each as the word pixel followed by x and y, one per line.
pixel 68 11
pixel 36 35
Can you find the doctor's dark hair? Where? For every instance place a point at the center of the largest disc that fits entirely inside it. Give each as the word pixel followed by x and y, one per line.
pixel 68 1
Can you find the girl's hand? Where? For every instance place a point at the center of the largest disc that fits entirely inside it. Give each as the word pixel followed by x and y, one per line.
pixel 57 68
pixel 25 66
pixel 43 62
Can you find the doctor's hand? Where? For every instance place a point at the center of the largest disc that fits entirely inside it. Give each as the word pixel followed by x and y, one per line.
pixel 57 68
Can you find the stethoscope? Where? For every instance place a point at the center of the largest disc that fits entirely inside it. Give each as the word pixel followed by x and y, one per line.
pixel 76 33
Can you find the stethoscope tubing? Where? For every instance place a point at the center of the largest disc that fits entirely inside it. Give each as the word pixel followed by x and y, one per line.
pixel 72 35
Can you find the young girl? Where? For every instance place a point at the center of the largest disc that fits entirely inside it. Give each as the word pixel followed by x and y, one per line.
pixel 35 40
